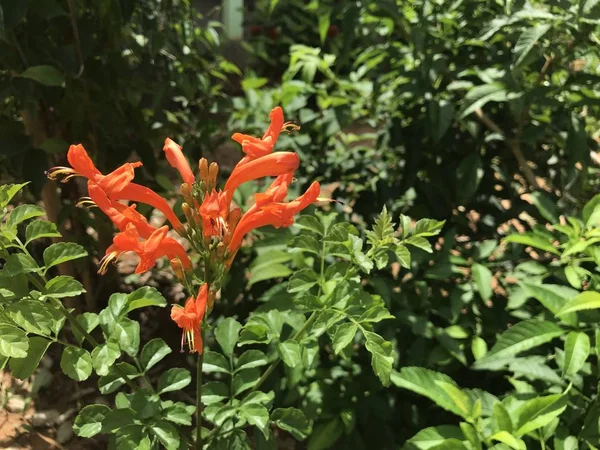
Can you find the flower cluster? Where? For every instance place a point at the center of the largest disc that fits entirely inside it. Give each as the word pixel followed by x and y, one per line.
pixel 215 226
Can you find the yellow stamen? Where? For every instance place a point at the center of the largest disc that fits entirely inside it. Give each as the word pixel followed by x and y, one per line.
pixel 67 172
pixel 85 202
pixel 288 127
pixel 106 260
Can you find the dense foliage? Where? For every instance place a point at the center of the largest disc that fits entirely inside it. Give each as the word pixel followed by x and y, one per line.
pixel 479 114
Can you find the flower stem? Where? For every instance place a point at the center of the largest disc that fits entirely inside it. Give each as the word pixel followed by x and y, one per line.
pixel 199 443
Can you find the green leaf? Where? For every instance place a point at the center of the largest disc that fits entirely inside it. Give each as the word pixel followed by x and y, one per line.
pixel 153 352
pixel 539 412
pixel 179 413
pixel 480 95
pixel 545 206
pixel 62 252
pixel 63 286
pixel 33 316
pixel 250 359
pixel 88 422
pixel 293 421
pixel 290 352
pixel 116 419
pixel 429 384
pixel 403 256
pixel 468 176
pixel 45 75
pixel 104 356
pixel 325 435
pixel 214 392
pixel 433 436
pixel 19 263
pixel 23 368
pixel 471 434
pixel 167 434
pixel 215 362
pixel 577 349
pixel 324 22
pixel 114 380
pixel 227 334
pixel 588 209
pixel 506 438
pixel 245 380
pixel 268 273
pixel 483 280
pixel 532 240
pixel 8 191
pixel 584 301
pixel 256 415
pixel 174 380
pixel 144 297
pixel 381 356
pixel 553 297
pixel 22 213
pixel 502 418
pixel 302 281
pixel 145 404
pixel 527 41
pixel 419 242
pixel 88 321
pixel 460 399
pixel 522 336
pixel 127 333
pixel 13 342
pixel 76 363
pixel 310 223
pixel 344 335
pixel 307 244
pixel 478 347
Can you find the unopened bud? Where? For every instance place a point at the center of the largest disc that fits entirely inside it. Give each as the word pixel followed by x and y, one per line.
pixel 186 190
pixel 203 167
pixel 213 171
pixel 187 212
pixel 221 247
pixel 178 269
pixel 211 299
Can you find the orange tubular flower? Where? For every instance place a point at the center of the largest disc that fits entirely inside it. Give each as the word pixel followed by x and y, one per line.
pixel 255 147
pixel 271 165
pixel 120 214
pixel 141 194
pixel 178 161
pixel 156 246
pixel 82 165
pixel 214 212
pixel 275 213
pixel 189 319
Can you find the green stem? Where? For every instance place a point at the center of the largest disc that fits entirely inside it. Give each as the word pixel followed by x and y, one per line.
pixel 275 363
pixel 199 443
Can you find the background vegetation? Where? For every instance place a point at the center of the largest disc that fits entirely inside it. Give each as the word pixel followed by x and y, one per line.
pixel 480 113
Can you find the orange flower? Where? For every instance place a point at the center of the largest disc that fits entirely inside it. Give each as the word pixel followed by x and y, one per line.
pixel 254 147
pixel 156 246
pixel 82 165
pixel 214 212
pixel 189 318
pixel 276 214
pixel 178 161
pixel 120 214
pixel 271 165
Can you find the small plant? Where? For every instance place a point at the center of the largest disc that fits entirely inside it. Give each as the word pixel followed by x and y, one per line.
pixel 327 287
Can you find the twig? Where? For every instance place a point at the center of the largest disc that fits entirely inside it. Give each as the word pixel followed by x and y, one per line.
pixel 514 145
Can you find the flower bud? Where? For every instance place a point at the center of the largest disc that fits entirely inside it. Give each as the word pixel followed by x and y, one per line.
pixel 213 171
pixel 186 190
pixel 187 212
pixel 203 167
pixel 177 268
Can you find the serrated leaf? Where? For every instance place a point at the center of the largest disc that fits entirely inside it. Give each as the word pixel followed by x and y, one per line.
pixel 381 356
pixel 508 439
pixel 174 380
pixel 245 380
pixel 479 96
pixel 8 191
pixel 18 263
pixel 256 415
pixel 22 213
pixel 76 363
pixel 403 256
pixel 584 301
pixel 63 286
pixel 227 334
pixel 577 349
pixel 538 412
pixel 290 352
pixel 114 380
pixel 431 437
pixel 33 316
pixel 250 359
pixel 167 434
pixel 144 297
pixel 22 368
pixel 88 422
pixel 104 356
pixel 478 347
pixel 522 336
pixel 532 240
pixel 214 392
pixel 153 352
pixel 502 418
pixel 215 362
pixel 527 41
pixel 344 335
pixel 62 252
pixel 293 421
pixel 302 280
pixel 310 223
